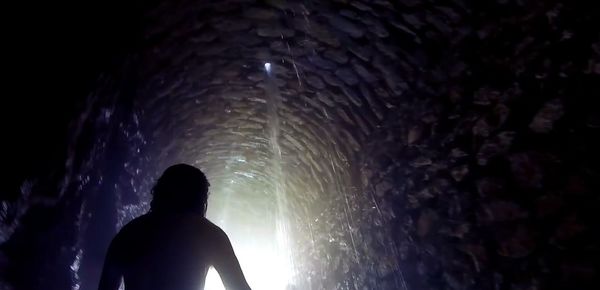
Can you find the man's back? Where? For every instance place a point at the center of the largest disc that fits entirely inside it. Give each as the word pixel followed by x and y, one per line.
pixel 170 251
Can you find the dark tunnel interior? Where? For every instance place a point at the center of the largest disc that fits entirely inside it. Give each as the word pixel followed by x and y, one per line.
pixel 350 144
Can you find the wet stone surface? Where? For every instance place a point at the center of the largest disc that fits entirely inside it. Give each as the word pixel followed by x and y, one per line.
pixel 418 145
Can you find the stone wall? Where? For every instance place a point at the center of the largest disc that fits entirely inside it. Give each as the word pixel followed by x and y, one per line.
pixel 419 145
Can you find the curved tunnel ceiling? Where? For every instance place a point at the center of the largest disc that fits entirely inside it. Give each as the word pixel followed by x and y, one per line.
pixel 387 145
pixel 274 102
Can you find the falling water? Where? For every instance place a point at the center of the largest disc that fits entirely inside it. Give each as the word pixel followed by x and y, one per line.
pixel 281 223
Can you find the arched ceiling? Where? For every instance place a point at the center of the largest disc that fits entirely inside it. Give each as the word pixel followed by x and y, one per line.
pixel 375 144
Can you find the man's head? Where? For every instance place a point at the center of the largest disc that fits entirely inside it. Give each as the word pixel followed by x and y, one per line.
pixel 181 188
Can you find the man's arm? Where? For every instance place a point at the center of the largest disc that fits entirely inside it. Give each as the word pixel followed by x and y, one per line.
pixel 112 270
pixel 227 265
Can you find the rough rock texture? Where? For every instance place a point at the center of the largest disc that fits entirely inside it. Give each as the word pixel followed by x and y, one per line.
pixel 418 145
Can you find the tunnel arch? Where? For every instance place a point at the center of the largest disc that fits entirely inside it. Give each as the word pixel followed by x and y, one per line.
pixel 390 145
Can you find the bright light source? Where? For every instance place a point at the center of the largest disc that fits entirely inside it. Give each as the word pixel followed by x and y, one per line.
pixel 263 268
pixel 268 67
pixel 264 255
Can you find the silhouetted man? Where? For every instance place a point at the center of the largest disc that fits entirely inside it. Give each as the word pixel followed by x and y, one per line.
pixel 173 245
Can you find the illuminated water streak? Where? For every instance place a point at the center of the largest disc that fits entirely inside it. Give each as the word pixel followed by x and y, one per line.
pixel 282 231
pixel 265 260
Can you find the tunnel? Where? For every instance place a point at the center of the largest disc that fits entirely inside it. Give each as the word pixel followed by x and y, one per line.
pixel 349 144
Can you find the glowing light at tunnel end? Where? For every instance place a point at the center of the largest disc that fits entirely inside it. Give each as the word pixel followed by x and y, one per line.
pixel 264 259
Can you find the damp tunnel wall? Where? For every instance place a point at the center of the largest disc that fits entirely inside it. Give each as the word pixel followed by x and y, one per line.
pixel 353 144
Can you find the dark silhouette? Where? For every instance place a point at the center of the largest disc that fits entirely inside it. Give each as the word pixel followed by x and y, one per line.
pixel 173 245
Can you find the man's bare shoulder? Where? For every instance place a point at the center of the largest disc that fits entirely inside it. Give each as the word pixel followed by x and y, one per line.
pixel 132 229
pixel 202 222
pixel 210 231
pixel 209 224
pixel 192 222
pixel 137 223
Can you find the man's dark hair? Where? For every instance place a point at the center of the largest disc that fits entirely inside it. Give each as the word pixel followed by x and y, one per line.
pixel 181 188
